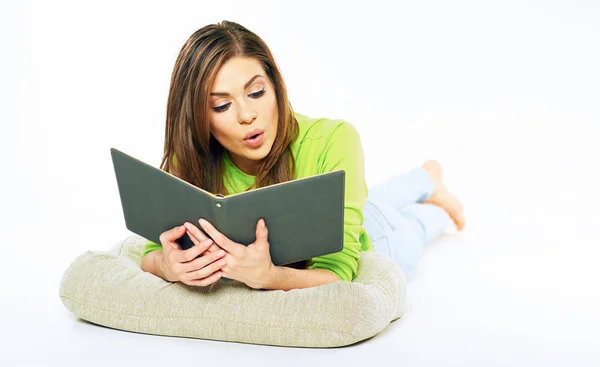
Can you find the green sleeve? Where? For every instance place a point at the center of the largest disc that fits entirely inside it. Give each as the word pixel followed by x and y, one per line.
pixel 151 246
pixel 344 151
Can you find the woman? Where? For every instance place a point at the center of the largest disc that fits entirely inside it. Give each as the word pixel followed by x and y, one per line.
pixel 231 128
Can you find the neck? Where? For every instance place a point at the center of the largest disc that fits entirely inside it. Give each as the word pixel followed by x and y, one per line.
pixel 245 165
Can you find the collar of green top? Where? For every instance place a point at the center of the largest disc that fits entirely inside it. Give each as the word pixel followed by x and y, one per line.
pixel 231 168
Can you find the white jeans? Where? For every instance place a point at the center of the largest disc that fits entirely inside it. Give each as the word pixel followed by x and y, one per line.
pixel 398 224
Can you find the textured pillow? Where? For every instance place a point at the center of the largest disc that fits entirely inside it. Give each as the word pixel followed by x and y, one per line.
pixel 109 288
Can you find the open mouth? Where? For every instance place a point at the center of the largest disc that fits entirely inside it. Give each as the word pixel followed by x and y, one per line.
pixel 254 137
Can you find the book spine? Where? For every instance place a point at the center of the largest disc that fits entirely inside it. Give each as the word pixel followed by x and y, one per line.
pixel 220 215
pixel 220 212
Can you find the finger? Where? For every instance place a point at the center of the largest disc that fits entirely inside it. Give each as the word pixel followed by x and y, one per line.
pixel 171 235
pixel 182 256
pixel 262 234
pixel 206 281
pixel 213 248
pixel 194 239
pixel 223 242
pixel 195 231
pixel 199 243
pixel 207 270
pixel 261 230
pixel 203 261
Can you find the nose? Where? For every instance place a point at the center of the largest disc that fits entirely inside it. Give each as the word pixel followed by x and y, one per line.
pixel 246 116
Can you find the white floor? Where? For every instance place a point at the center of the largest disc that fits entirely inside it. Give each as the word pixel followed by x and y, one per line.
pixel 517 288
pixel 504 94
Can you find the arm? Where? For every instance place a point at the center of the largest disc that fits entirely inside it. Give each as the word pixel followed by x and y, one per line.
pixel 152 258
pixel 282 278
pixel 285 278
pixel 151 263
pixel 344 151
pixel 252 264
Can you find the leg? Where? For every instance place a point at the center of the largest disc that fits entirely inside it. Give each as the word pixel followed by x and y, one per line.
pixel 422 184
pixel 403 234
pixel 411 187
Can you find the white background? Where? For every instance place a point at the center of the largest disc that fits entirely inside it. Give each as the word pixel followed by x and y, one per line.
pixel 504 94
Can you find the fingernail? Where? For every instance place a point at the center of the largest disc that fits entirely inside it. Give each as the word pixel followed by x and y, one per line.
pixel 202 222
pixel 221 253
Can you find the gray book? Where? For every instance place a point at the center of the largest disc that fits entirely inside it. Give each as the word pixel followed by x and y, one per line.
pixel 305 217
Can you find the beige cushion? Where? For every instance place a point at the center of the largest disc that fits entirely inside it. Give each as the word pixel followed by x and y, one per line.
pixel 109 288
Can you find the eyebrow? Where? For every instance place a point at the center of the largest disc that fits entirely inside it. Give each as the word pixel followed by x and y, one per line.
pixel 224 94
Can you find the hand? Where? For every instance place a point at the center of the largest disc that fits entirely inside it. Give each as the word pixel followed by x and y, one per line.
pixel 197 236
pixel 250 264
pixel 189 266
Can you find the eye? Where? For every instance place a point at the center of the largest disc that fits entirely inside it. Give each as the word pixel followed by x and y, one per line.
pixel 257 94
pixel 224 107
pixel 221 108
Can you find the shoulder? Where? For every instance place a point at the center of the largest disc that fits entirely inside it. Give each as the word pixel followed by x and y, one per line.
pixel 325 129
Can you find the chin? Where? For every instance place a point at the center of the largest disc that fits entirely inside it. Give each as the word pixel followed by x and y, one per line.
pixel 261 153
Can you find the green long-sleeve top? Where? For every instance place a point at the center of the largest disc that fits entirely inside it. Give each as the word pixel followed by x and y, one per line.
pixel 323 145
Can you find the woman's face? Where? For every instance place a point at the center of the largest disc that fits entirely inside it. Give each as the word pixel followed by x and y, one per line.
pixel 242 102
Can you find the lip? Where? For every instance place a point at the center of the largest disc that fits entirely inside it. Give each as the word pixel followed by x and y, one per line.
pixel 253 132
pixel 255 143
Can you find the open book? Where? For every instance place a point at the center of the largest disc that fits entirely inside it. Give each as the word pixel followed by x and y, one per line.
pixel 305 217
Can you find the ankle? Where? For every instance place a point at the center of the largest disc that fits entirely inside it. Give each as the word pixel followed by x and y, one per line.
pixel 434 170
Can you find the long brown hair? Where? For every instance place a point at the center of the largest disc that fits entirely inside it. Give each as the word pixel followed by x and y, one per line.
pixel 190 151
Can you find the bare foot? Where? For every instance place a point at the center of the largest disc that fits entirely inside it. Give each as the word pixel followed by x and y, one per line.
pixel 435 172
pixel 442 197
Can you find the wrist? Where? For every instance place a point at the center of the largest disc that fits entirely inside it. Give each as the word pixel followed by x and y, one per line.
pixel 159 265
pixel 271 278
